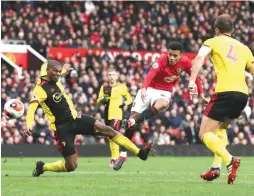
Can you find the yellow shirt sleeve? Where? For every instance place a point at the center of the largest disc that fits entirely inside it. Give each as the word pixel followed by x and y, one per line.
pixel 209 43
pixel 127 96
pixel 250 58
pixel 30 114
pixel 101 94
pixel 43 71
pixel 39 95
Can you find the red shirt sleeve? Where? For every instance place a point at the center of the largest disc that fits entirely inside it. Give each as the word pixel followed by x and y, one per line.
pixel 153 72
pixel 188 67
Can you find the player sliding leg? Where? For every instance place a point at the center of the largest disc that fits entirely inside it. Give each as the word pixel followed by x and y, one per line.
pixel 214 171
pixel 142 109
pixel 70 157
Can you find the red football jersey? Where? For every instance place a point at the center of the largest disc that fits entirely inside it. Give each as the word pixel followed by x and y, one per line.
pixel 163 76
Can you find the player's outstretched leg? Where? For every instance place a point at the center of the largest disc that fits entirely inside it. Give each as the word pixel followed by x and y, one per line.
pixel 214 172
pixel 143 154
pixel 69 164
pixel 148 113
pixel 122 140
pixel 41 167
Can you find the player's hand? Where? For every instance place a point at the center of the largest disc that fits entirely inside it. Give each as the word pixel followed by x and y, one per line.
pixel 143 94
pixel 104 100
pixel 27 131
pixel 67 67
pixel 204 99
pixel 192 89
pixel 122 105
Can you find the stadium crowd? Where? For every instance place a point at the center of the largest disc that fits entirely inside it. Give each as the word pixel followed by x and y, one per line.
pixel 114 25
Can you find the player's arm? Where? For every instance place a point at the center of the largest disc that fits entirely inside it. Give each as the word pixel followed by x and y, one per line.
pixel 101 99
pixel 30 117
pixel 127 96
pixel 251 69
pixel 66 69
pixel 39 95
pixel 153 72
pixel 203 52
pixel 197 82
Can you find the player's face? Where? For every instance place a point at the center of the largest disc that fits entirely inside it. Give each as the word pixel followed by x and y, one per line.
pixel 112 77
pixel 54 73
pixel 174 56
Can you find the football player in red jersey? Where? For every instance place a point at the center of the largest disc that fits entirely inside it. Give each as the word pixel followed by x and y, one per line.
pixel 157 87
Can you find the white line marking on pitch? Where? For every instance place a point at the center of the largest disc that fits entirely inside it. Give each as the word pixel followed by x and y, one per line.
pixel 130 173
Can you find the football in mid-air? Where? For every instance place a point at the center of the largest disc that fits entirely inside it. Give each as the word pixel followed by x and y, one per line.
pixel 13 109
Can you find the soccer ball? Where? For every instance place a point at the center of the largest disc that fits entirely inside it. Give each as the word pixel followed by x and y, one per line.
pixel 13 109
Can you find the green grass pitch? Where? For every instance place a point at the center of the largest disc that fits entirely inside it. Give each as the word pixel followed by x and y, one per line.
pixel 156 176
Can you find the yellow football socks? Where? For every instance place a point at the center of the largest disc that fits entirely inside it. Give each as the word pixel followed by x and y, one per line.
pixel 222 134
pixel 126 143
pixel 58 166
pixel 114 148
pixel 215 144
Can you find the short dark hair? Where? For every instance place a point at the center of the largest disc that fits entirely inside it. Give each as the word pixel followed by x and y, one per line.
pixel 175 46
pixel 224 23
pixel 51 63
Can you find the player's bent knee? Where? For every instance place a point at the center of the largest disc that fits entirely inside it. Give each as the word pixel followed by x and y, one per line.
pixel 71 166
pixel 162 105
pixel 165 106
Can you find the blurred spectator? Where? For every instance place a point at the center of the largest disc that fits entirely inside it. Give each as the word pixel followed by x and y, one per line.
pixel 121 25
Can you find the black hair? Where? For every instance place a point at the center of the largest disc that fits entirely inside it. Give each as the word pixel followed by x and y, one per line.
pixel 52 63
pixel 176 46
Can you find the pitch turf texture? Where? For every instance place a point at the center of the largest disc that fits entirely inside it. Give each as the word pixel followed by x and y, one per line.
pixel 157 176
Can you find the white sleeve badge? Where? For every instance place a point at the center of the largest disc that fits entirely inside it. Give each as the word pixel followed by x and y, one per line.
pixel 155 65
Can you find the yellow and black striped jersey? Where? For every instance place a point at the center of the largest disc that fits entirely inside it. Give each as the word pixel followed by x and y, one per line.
pixel 117 95
pixel 55 103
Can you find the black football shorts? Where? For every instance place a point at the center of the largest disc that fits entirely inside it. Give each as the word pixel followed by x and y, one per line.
pixel 66 132
pixel 226 105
